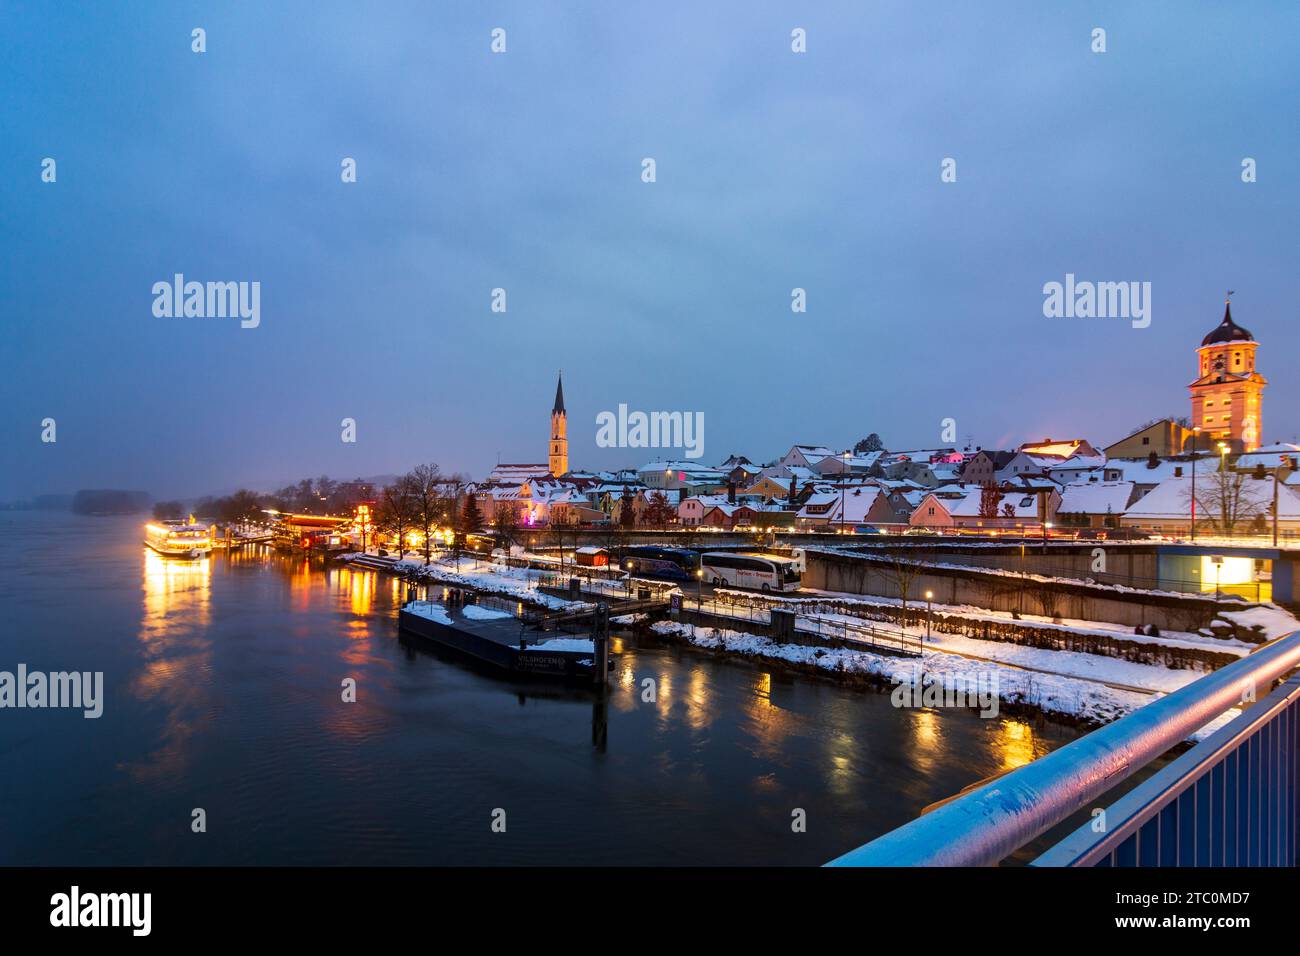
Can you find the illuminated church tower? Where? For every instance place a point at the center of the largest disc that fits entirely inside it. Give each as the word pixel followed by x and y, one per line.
pixel 1228 396
pixel 559 454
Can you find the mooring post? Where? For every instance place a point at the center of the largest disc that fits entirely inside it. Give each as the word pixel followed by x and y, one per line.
pixel 600 637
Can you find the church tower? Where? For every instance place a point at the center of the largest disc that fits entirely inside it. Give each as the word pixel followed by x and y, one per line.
pixel 1228 395
pixel 559 454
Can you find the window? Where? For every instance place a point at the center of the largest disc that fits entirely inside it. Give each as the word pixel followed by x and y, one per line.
pixel 1146 440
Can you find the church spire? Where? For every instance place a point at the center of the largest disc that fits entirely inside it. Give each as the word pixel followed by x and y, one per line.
pixel 559 395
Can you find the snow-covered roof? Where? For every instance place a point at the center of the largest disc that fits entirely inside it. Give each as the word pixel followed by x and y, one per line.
pixel 857 502
pixel 1270 456
pixel 1139 470
pixel 1172 498
pixel 1024 504
pixel 1079 463
pixel 518 473
pixel 1096 497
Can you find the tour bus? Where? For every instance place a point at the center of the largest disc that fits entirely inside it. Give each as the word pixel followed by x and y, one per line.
pixel 748 570
pixel 679 564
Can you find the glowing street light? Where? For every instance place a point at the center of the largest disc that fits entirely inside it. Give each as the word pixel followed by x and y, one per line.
pixel 929 597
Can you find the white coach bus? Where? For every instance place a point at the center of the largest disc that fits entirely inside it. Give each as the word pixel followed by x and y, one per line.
pixel 748 570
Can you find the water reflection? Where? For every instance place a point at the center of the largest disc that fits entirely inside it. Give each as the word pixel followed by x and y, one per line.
pixel 177 657
pixel 1016 744
pixel 233 668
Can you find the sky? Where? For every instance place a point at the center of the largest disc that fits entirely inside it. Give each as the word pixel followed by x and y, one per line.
pixel 522 170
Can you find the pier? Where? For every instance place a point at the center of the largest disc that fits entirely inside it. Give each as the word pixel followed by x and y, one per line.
pixel 510 643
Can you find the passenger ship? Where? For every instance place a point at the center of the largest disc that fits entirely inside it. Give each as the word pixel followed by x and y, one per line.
pixel 179 539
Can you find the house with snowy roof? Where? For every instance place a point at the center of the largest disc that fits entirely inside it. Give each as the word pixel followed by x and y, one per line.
pixel 691 511
pixel 984 465
pixel 1060 448
pixel 1025 464
pixel 1147 473
pixel 517 474
pixel 1081 468
pixel 1168 507
pixel 1095 504
pixel 847 508
pixel 1016 511
pixel 805 456
pixel 1270 457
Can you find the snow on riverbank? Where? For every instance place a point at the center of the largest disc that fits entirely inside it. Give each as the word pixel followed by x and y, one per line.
pixel 518 583
pixel 1084 699
pixel 1275 621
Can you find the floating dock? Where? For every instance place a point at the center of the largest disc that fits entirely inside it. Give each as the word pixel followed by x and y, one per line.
pixel 501 639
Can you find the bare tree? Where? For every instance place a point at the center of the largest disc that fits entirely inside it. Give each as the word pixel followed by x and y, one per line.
pixel 396 510
pixel 1229 498
pixel 505 522
pixel 426 491
pixel 904 565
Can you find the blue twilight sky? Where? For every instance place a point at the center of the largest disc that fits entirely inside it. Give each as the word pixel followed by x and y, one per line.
pixel 522 171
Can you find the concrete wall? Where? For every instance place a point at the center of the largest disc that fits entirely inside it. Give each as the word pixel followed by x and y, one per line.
pixel 855 574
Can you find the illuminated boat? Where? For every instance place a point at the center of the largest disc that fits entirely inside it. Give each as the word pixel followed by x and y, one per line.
pixel 179 539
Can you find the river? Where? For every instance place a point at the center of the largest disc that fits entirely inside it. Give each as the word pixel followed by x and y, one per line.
pixel 222 692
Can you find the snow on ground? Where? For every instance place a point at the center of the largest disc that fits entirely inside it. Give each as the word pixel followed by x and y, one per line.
pixel 1119 632
pixel 569 644
pixel 434 612
pixel 1053 693
pixel 1275 621
pixel 476 613
pixel 519 583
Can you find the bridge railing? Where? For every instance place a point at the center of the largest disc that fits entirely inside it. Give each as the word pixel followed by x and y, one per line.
pixel 1229 801
pixel 1256 752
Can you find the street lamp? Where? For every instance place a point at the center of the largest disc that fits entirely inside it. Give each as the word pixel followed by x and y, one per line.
pixel 1047 525
pixel 929 596
pixel 843 486
pixel 1223 491
pixel 699 589
pixel 1196 432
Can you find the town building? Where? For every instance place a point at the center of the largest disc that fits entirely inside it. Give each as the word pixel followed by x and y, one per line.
pixel 1164 438
pixel 1228 393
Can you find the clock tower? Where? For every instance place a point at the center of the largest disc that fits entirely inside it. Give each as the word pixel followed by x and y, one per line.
pixel 1228 395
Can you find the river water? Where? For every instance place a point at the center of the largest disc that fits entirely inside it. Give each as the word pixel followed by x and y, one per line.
pixel 222 691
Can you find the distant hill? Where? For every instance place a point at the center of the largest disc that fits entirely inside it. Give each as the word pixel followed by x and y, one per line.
pixel 109 501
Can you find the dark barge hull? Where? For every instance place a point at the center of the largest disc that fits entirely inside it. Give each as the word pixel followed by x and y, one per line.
pixel 497 644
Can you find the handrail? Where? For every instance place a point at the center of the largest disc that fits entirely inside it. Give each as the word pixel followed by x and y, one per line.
pixel 987 825
pixel 1154 796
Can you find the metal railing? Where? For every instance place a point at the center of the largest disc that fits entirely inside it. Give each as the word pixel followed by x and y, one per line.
pixel 1229 801
pixel 988 824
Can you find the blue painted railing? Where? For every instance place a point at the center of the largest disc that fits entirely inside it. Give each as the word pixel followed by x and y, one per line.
pixel 1232 799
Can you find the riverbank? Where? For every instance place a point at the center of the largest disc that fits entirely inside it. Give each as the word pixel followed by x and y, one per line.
pixel 1083 689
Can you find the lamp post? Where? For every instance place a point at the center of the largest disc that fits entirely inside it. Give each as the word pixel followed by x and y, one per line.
pixel 1196 432
pixel 929 596
pixel 1021 609
pixel 1046 527
pixel 843 479
pixel 699 589
pixel 1223 492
